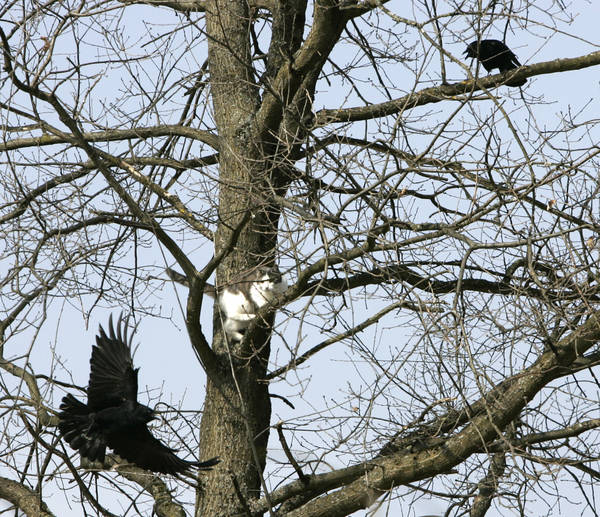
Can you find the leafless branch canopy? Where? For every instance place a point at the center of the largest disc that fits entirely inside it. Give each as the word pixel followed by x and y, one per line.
pixel 439 230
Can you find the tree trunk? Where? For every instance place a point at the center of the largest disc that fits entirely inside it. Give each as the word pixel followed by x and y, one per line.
pixel 235 423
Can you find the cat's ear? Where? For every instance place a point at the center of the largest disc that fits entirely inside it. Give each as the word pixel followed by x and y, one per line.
pixel 265 270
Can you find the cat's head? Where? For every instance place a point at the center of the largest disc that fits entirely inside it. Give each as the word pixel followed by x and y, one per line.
pixel 270 280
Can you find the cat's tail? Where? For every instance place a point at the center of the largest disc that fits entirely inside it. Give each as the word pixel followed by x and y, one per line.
pixel 209 289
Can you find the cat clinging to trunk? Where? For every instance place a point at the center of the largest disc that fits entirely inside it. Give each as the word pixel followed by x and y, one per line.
pixel 242 298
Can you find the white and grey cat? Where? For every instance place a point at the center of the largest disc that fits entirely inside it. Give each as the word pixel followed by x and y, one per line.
pixel 243 297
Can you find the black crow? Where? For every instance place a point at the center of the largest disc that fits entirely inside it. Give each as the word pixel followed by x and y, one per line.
pixel 113 417
pixel 492 53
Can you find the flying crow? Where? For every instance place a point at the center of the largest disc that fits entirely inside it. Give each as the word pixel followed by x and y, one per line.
pixel 112 416
pixel 492 53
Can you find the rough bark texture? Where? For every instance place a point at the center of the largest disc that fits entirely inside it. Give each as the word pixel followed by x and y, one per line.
pixel 237 413
pixel 255 139
pixel 26 500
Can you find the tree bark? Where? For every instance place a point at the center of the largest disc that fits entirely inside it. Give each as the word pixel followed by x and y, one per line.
pixel 235 423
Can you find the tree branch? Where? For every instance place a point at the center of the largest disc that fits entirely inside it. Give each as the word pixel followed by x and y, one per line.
pixel 294 363
pixel 164 505
pixel 488 486
pixel 364 483
pixel 205 353
pixel 431 285
pixel 187 6
pixel 451 91
pixel 112 135
pixel 25 499
pixel 533 438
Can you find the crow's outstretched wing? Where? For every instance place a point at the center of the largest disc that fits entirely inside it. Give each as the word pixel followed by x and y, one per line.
pixel 138 446
pixel 112 376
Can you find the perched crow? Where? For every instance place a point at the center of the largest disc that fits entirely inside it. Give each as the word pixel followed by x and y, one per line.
pixel 492 53
pixel 113 417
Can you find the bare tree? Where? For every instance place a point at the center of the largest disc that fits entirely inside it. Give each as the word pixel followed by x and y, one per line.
pixel 439 231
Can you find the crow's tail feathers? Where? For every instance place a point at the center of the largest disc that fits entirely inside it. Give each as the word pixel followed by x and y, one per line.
pixel 206 465
pixel 515 83
pixel 75 425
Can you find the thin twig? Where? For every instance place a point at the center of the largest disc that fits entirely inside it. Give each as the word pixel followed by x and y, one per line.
pixel 238 492
pixel 303 477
